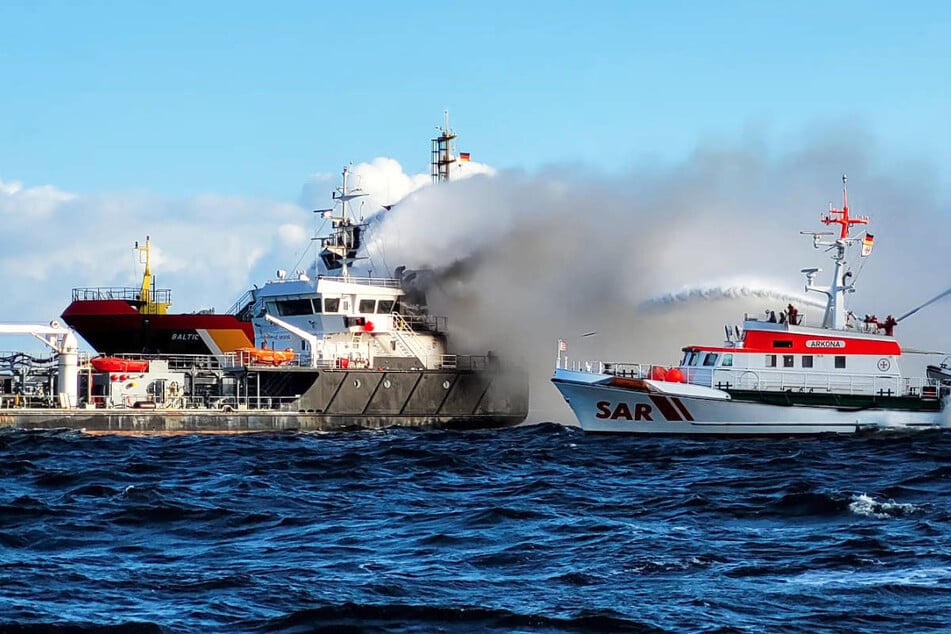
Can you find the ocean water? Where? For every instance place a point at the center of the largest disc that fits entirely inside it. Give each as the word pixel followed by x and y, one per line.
pixel 532 529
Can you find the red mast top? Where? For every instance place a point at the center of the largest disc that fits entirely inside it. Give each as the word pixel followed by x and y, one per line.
pixel 844 220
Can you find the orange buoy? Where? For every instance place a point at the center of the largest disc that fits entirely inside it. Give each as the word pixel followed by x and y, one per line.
pixel 368 326
pixel 675 375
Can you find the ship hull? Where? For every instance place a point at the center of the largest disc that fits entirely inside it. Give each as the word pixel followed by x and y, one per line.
pixel 307 399
pixel 664 408
pixel 201 421
pixel 114 327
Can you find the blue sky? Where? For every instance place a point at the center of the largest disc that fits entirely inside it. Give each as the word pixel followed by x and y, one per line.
pixel 248 98
pixel 213 125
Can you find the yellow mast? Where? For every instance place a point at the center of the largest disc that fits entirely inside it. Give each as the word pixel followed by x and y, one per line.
pixel 148 306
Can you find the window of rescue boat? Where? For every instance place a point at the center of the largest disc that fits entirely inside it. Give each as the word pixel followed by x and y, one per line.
pixel 690 357
pixel 727 361
pixel 710 359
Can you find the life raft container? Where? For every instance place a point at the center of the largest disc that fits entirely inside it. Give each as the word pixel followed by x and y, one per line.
pixel 265 356
pixel 117 364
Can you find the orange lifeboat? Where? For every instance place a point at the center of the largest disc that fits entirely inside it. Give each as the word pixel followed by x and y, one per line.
pixel 264 356
pixel 117 364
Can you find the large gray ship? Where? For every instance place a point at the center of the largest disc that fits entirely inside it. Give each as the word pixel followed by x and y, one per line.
pixel 338 352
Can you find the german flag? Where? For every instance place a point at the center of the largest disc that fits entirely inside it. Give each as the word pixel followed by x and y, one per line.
pixel 867 244
pixel 464 156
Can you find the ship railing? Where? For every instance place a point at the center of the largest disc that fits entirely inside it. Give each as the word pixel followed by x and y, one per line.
pixel 770 379
pixel 434 361
pixel 183 361
pixel 124 293
pixel 468 361
pixel 253 401
pixel 242 360
pixel 406 336
pixel 241 303
pixel 28 401
pixel 425 323
pixel 625 370
pixel 222 403
pixel 387 282
pixel 779 380
pixel 8 357
pixel 613 368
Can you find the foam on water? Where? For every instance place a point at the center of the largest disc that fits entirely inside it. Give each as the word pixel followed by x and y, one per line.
pixel 866 505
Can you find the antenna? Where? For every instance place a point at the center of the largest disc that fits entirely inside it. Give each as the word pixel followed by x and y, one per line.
pixel 844 220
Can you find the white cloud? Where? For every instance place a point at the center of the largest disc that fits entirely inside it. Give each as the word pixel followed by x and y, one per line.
pixel 207 248
pixel 382 179
pixel 19 204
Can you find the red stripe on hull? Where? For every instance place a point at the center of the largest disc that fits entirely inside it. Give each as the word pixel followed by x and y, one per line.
pixel 668 410
pixel 112 327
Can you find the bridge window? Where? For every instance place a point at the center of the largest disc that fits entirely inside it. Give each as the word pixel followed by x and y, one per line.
pixel 727 361
pixel 840 362
pixel 331 304
pixel 787 361
pixel 385 306
pixel 367 306
pixel 710 359
pixel 771 361
pixel 807 360
pixel 294 307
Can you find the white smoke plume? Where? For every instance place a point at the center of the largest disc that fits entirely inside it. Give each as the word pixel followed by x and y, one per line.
pixel 528 259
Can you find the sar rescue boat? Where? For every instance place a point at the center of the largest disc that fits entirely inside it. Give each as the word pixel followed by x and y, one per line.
pixel 773 376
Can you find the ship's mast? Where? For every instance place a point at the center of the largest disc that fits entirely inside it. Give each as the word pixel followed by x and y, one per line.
pixel 442 153
pixel 147 303
pixel 835 306
pixel 343 222
pixel 145 295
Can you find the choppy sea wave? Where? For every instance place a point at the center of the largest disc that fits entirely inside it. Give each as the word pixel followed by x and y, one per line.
pixel 532 529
